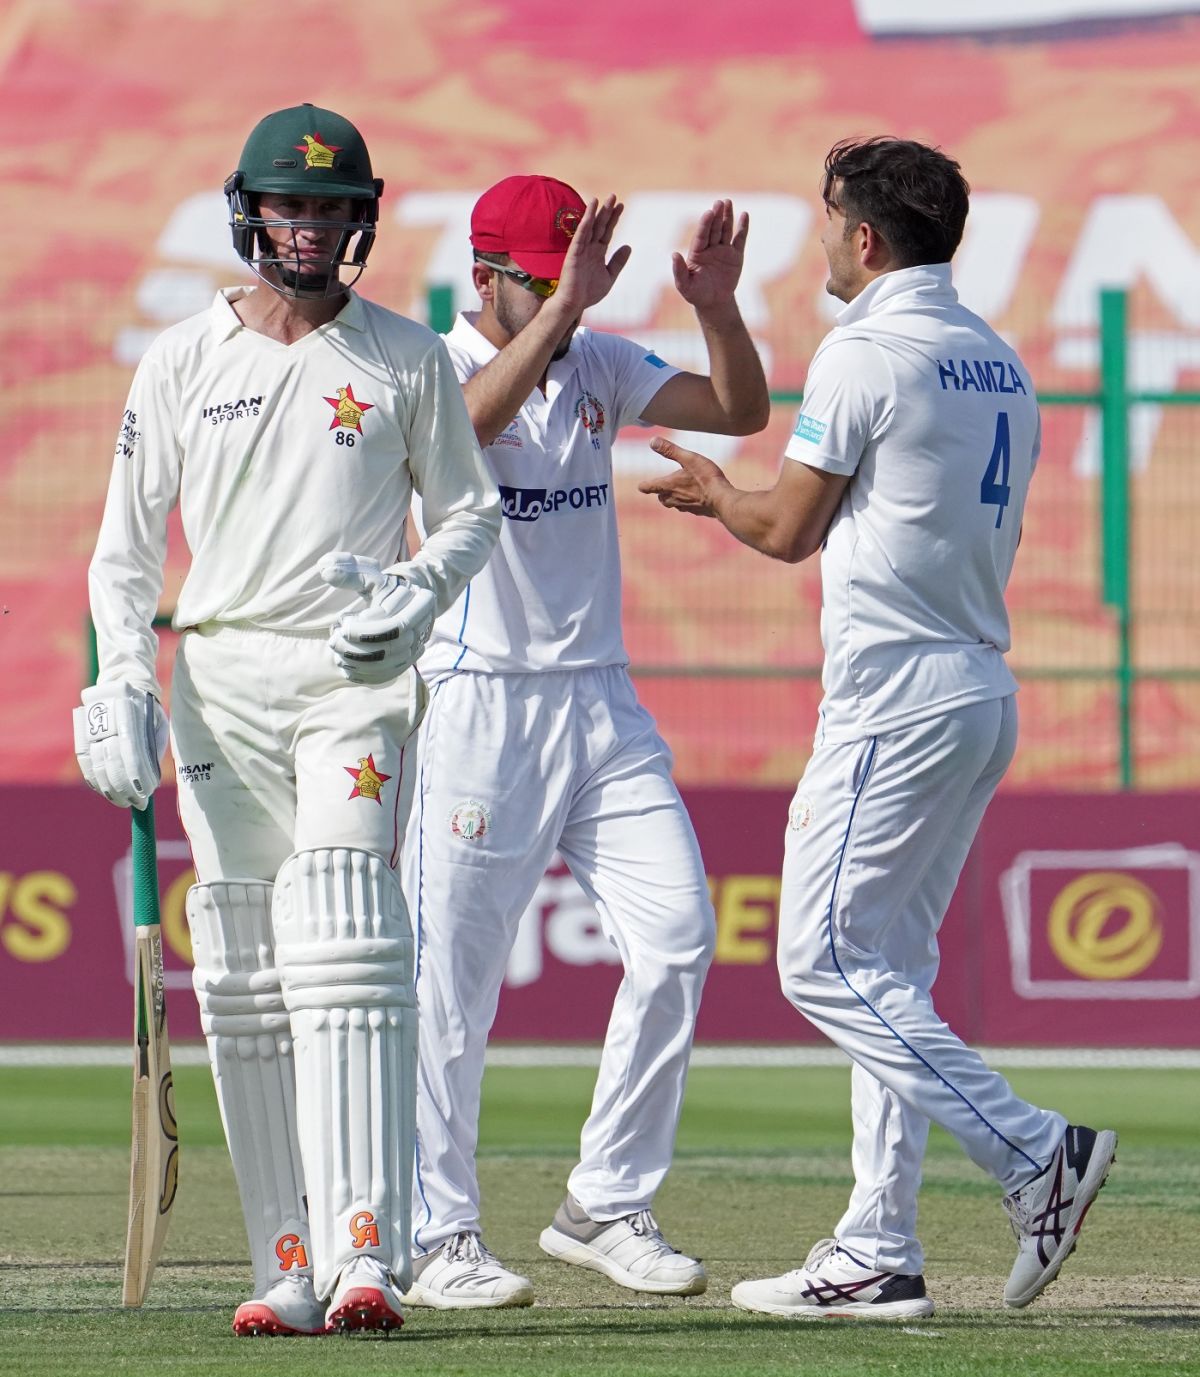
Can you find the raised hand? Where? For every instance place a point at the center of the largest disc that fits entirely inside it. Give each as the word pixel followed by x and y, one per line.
pixel 588 273
pixel 709 275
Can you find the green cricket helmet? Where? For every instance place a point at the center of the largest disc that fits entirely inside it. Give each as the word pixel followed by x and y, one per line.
pixel 305 152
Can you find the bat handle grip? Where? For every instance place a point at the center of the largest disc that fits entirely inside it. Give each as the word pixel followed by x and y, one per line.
pixel 145 866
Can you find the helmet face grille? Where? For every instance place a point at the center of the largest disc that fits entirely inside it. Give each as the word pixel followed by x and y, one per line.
pixel 271 261
pixel 308 153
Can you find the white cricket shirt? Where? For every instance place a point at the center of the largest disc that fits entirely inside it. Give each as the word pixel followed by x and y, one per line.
pixel 550 596
pixel 935 417
pixel 278 454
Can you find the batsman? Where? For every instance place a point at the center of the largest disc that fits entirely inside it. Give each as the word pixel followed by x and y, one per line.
pixel 291 423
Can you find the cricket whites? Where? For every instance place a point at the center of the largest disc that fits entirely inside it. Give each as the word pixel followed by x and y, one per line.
pixel 154 1169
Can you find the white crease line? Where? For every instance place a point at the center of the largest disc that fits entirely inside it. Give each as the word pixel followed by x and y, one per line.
pixel 736 1057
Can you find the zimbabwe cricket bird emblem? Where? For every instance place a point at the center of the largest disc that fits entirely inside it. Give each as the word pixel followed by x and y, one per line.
pixel 368 782
pixel 348 411
pixel 316 153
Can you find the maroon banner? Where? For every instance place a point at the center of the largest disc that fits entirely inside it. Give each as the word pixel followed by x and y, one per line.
pixel 1089 928
pixel 1076 923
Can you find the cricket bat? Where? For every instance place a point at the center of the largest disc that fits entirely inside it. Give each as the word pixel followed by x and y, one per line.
pixel 154 1168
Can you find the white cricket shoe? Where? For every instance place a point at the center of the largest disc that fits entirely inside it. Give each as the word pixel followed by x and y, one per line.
pixel 463 1274
pixel 365 1297
pixel 287 1306
pixel 630 1251
pixel 1047 1214
pixel 834 1285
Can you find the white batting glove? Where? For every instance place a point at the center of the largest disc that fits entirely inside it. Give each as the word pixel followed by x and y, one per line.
pixel 387 636
pixel 120 736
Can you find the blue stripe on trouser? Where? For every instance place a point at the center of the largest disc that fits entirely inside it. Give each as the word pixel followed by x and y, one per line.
pixel 462 630
pixel 420 819
pixel 1037 1166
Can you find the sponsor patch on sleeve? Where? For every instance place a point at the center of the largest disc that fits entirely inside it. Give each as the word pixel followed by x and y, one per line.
pixel 807 428
pixel 654 361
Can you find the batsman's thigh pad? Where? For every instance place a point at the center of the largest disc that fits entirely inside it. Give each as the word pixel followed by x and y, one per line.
pixel 346 961
pixel 250 1047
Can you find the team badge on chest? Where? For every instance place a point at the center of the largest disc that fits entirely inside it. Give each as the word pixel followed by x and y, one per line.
pixel 368 782
pixel 470 821
pixel 348 411
pixel 590 411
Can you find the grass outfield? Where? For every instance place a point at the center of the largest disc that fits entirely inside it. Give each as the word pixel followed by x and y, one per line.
pixel 762 1172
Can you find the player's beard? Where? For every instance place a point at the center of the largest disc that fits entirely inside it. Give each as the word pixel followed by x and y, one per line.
pixel 513 322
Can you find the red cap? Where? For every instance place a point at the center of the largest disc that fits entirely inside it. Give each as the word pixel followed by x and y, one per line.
pixel 531 219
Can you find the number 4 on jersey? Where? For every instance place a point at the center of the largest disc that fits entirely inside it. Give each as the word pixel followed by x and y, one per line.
pixel 990 491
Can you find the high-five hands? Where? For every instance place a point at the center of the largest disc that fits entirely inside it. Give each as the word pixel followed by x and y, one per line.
pixel 588 273
pixel 709 274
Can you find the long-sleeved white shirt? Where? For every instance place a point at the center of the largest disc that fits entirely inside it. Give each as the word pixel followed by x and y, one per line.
pixel 276 455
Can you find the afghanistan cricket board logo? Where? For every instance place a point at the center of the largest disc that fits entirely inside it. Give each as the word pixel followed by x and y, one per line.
pixel 368 782
pixel 470 821
pixel 348 412
pixel 590 411
pixel 566 220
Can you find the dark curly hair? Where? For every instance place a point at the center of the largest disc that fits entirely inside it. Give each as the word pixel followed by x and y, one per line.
pixel 910 193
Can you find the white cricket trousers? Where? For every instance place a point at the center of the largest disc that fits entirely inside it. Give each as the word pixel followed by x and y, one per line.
pixel 877 835
pixel 275 752
pixel 513 767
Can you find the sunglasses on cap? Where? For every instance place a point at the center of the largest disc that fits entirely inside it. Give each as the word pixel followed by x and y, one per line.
pixel 539 286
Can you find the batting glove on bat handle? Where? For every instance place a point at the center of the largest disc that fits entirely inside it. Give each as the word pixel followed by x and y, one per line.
pixel 120 736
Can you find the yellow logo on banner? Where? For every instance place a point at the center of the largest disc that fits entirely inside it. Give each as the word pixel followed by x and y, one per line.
pixel 1081 911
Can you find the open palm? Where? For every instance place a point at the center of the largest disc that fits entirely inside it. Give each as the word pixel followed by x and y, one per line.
pixel 709 274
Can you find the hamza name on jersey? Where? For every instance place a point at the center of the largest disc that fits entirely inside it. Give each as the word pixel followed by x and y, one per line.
pixel 982 375
pixel 527 504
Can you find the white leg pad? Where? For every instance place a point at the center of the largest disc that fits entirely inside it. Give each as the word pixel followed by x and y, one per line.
pixel 250 1048
pixel 345 953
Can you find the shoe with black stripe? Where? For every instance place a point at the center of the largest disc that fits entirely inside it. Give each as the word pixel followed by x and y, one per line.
pixel 1047 1214
pixel 833 1284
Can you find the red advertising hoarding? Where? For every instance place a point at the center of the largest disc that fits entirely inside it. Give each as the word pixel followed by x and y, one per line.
pixel 1076 923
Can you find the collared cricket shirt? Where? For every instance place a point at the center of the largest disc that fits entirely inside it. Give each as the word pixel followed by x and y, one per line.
pixel 935 416
pixel 277 454
pixel 550 596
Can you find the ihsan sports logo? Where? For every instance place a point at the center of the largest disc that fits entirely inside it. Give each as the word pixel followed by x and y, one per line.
pixel 527 504
pixel 232 411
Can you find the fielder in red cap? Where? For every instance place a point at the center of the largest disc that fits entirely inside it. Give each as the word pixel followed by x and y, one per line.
pixel 535 742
